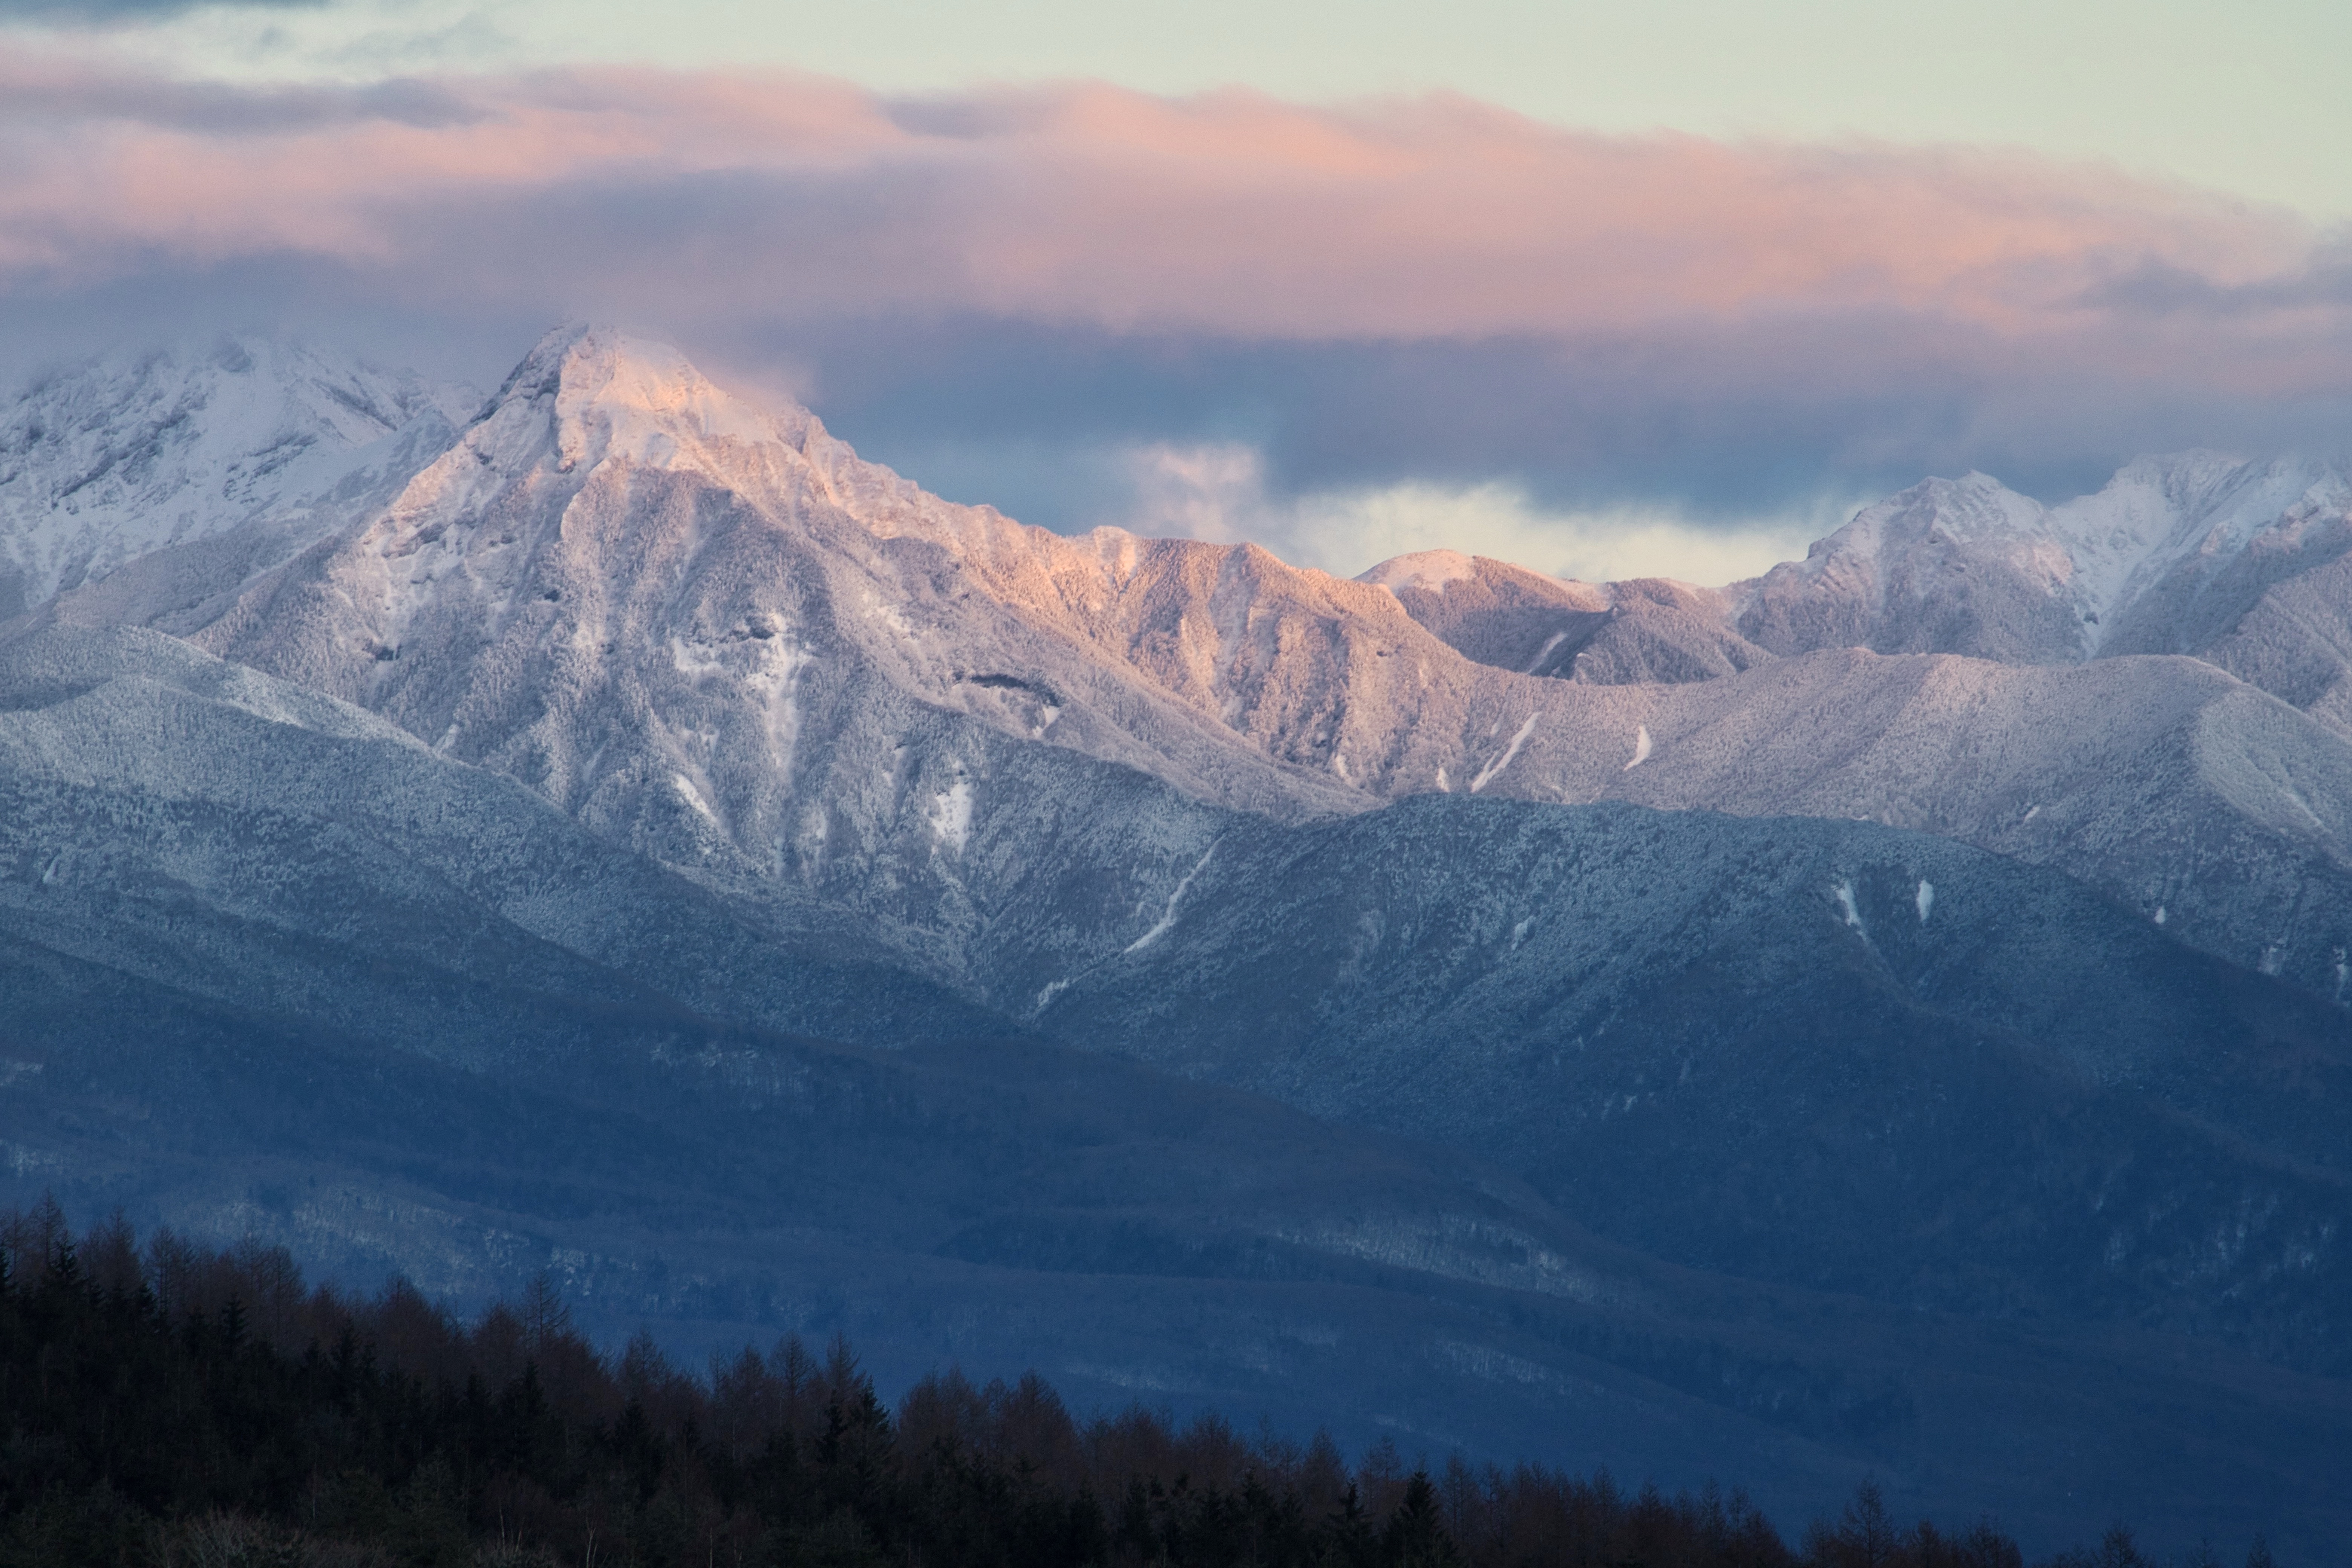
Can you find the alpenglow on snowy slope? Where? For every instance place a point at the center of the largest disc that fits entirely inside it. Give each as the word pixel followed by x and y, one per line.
pixel 1787 1029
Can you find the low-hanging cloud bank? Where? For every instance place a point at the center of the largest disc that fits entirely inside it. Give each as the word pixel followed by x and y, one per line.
pixel 1384 292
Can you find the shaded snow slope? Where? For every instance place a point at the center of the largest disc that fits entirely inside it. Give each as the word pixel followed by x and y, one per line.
pixel 1633 1009
pixel 2166 783
pixel 240 834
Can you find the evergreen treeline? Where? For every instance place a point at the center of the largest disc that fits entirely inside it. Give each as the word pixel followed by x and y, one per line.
pixel 174 1404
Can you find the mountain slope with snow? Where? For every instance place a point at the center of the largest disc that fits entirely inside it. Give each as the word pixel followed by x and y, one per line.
pixel 1824 1047
pixel 2197 552
pixel 134 454
pixel 2165 558
pixel 1674 1024
pixel 1761 1148
pixel 1615 634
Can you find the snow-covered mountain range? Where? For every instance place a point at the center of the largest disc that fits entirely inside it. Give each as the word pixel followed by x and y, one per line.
pixel 1951 923
pixel 2195 553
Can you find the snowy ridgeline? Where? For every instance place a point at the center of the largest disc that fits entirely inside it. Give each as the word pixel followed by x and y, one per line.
pixel 130 454
pixel 2194 552
pixel 704 626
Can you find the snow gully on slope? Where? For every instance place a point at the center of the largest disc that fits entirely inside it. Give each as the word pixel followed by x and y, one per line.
pixel 1486 774
pixel 1168 917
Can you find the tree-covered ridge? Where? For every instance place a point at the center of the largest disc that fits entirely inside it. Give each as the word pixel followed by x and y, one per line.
pixel 170 1404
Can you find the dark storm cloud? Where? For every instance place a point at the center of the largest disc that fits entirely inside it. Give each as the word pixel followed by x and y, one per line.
pixel 1718 426
pixel 78 96
pixel 115 12
pixel 2157 289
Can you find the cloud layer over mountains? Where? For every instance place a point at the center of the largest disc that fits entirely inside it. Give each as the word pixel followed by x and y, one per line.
pixel 1424 290
pixel 1230 213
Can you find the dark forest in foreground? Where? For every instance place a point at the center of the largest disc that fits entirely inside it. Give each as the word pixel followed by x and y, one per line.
pixel 168 1404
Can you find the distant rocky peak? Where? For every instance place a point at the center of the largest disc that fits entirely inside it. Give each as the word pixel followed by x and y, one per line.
pixel 1972 508
pixel 1451 571
pixel 2184 478
pixel 107 461
pixel 232 391
pixel 604 394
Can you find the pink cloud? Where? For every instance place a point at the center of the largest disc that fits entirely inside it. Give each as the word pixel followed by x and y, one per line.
pixel 1230 213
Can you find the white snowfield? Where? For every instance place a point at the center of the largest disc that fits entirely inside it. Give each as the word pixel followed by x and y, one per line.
pixel 705 627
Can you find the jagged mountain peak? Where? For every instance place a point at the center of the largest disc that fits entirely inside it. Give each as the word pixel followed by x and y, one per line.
pixel 244 384
pixel 2183 476
pixel 2100 551
pixel 607 371
pixel 587 391
pixel 1973 507
pixel 109 460
pixel 2168 556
